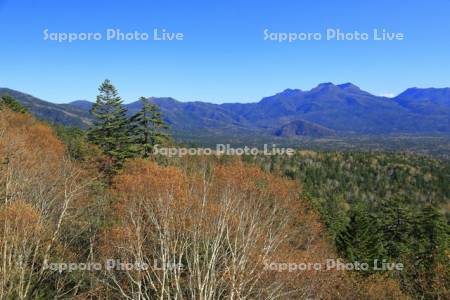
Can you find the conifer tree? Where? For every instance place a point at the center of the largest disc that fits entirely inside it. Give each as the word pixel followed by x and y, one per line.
pixel 360 242
pixel 430 253
pixel 432 235
pixel 111 125
pixel 147 128
pixel 397 227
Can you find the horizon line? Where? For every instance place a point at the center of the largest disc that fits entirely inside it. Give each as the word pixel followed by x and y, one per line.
pixel 382 95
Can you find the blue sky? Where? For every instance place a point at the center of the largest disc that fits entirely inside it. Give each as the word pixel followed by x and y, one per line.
pixel 223 57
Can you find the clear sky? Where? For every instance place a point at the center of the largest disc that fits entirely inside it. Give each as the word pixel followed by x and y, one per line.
pixel 223 57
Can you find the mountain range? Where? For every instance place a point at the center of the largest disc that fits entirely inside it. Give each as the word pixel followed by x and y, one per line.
pixel 326 110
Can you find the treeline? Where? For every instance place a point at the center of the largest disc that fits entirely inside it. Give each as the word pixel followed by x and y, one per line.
pixel 381 206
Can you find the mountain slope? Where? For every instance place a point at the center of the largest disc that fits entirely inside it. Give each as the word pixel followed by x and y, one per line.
pixel 430 101
pixel 327 109
pixel 303 128
pixel 81 104
pixel 65 114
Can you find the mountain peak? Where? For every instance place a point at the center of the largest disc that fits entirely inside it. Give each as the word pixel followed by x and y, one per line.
pixel 348 86
pixel 81 104
pixel 290 92
pixel 326 85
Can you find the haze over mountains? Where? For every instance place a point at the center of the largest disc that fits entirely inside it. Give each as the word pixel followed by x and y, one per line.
pixel 326 110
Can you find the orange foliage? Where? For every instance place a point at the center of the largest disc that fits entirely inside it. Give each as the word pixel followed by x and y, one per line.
pixel 22 239
pixel 38 188
pixel 20 221
pixel 261 217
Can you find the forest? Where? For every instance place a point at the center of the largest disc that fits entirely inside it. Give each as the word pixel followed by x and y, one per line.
pixel 391 206
pixel 95 215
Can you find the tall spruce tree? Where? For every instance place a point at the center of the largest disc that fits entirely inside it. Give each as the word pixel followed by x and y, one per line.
pixel 111 125
pixel 147 129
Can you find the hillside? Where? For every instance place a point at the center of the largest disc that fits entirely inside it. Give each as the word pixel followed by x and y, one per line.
pixel 303 128
pixel 62 114
pixel 262 218
pixel 390 205
pixel 165 228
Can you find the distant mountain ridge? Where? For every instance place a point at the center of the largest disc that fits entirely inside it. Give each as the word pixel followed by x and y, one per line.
pixel 325 110
pixel 64 114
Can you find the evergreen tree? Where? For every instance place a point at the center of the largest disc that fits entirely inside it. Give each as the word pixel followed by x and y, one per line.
pixel 12 104
pixel 147 128
pixel 397 227
pixel 429 256
pixel 432 236
pixel 360 241
pixel 111 126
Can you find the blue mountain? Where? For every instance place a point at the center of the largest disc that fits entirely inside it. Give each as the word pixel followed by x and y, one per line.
pixel 327 109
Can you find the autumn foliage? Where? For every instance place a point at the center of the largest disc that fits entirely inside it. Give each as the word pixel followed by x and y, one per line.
pixel 39 187
pixel 205 228
pixel 224 224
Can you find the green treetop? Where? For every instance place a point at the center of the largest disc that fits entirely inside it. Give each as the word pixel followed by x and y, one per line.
pixel 111 126
pixel 147 128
